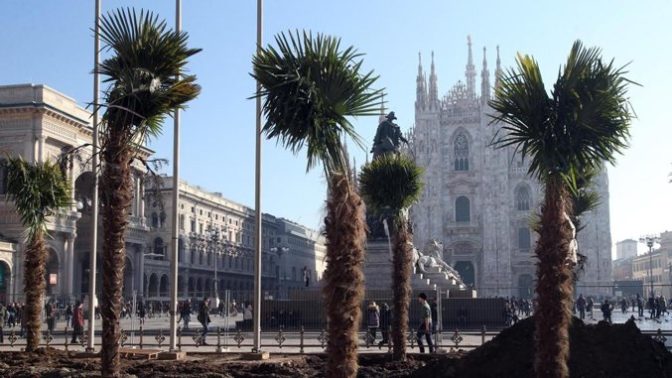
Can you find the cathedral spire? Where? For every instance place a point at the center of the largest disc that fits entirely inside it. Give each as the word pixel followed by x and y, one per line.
pixel 470 73
pixel 485 80
pixel 433 89
pixel 498 70
pixel 421 88
pixel 381 117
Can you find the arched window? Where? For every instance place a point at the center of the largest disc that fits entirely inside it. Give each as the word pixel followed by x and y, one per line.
pixel 155 220
pixel 522 199
pixel 462 211
pixel 524 239
pixel 158 246
pixel 461 150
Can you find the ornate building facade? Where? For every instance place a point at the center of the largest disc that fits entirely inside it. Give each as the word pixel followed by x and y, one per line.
pixel 39 123
pixel 479 201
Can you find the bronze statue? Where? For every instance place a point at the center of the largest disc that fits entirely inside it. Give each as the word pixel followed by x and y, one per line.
pixel 388 137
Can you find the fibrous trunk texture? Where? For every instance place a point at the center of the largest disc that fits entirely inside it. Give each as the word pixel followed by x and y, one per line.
pixel 34 283
pixel 344 280
pixel 402 263
pixel 116 195
pixel 554 285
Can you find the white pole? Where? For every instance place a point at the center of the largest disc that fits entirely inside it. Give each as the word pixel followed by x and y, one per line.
pixel 174 243
pixel 94 200
pixel 256 310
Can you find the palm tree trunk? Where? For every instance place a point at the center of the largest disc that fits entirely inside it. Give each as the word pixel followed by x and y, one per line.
pixel 34 282
pixel 116 198
pixel 554 285
pixel 402 263
pixel 344 280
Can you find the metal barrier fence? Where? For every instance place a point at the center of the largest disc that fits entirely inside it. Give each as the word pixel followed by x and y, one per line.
pixel 277 341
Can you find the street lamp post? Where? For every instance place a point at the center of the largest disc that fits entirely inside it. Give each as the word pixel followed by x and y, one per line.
pixel 650 240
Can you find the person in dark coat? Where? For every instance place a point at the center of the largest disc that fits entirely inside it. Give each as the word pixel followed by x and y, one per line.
pixel 607 308
pixel 204 318
pixel 385 321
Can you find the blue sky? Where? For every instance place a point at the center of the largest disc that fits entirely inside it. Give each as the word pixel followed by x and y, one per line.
pixel 50 42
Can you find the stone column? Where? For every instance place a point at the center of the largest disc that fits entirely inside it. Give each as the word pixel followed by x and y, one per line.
pixel 141 200
pixel 141 271
pixel 69 264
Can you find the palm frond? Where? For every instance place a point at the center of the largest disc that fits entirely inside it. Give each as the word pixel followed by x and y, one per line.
pixel 310 88
pixel 391 183
pixel 38 191
pixel 583 122
pixel 142 72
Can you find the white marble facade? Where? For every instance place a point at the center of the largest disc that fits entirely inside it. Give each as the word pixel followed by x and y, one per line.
pixel 479 201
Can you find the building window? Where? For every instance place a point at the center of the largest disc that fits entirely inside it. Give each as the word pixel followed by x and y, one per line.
pixel 524 239
pixel 193 210
pixel 155 220
pixel 193 226
pixel 522 199
pixel 462 211
pixel 461 149
pixel 162 219
pixel 159 248
pixel 182 222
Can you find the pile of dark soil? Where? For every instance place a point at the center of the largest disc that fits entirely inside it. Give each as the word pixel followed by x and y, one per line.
pixel 55 363
pixel 601 350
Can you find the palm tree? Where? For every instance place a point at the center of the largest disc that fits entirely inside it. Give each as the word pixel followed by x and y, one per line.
pixel 144 88
pixel 390 185
pixel 582 123
pixel 310 88
pixel 39 190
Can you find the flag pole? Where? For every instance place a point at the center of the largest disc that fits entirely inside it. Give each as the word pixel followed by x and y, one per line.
pixel 174 242
pixel 256 311
pixel 90 342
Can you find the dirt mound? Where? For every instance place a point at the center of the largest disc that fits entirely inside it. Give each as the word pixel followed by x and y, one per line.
pixel 600 350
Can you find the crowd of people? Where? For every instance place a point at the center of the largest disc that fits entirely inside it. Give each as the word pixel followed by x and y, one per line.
pixel 656 307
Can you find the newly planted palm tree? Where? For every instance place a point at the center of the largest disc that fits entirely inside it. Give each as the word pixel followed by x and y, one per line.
pixel 390 185
pixel 38 190
pixel 144 87
pixel 583 122
pixel 310 87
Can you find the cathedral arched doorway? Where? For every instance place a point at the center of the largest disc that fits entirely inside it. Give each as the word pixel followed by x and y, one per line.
pixel 163 287
pixel 153 288
pixel 5 279
pixel 466 270
pixel 51 273
pixel 525 286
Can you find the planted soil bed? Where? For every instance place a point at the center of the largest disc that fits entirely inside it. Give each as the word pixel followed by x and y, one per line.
pixel 55 363
pixel 601 350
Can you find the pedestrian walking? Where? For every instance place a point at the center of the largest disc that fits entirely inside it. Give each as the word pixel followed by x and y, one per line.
pixel 606 311
pixel 77 322
pixel 640 306
pixel 425 328
pixel 581 306
pixel 68 315
pixel 50 315
pixel 185 313
pixel 385 321
pixel 372 320
pixel 247 316
pixel 204 319
pixel 3 317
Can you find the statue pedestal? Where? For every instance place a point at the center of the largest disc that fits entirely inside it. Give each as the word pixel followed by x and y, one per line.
pixel 378 269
